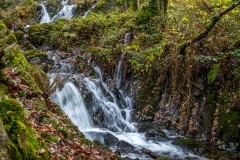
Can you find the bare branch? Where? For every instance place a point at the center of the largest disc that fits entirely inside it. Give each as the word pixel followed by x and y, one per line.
pixel 182 47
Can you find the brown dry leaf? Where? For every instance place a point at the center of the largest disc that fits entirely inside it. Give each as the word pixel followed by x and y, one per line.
pixel 41 151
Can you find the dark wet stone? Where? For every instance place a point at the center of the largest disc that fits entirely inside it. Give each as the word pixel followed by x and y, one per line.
pixel 155 135
pixel 109 139
pixel 124 146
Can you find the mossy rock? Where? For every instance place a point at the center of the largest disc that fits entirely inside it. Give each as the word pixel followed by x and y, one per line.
pixel 34 53
pixel 187 143
pixel 12 57
pixel 3 90
pixel 19 35
pixel 212 74
pixel 23 145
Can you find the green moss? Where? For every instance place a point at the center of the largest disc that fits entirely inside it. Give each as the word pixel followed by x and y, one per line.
pixel 23 144
pixel 228 119
pixel 14 58
pixel 8 40
pixel 3 90
pixel 50 138
pixel 86 141
pixel 19 35
pixel 189 142
pixel 212 74
pixel 30 54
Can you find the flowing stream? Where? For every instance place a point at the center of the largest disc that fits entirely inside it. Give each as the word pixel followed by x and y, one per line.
pixel 103 115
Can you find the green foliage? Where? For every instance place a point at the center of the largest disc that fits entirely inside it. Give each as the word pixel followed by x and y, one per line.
pixel 228 120
pixel 212 74
pixel 146 60
pixel 19 35
pixel 23 144
pixel 148 11
pixel 133 5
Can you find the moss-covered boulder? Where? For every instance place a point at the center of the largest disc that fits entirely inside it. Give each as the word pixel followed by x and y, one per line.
pixel 23 144
pixel 13 62
pixel 35 55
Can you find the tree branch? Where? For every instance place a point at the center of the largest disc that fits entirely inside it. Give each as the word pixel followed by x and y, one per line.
pixel 182 47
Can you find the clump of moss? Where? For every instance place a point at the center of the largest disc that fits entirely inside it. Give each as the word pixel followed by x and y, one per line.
pixel 19 35
pixel 33 53
pixel 212 74
pixel 22 145
pixel 13 58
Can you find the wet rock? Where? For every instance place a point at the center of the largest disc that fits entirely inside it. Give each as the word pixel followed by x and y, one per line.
pixel 144 126
pixel 124 146
pixel 155 135
pixel 34 53
pixel 109 139
pixel 187 143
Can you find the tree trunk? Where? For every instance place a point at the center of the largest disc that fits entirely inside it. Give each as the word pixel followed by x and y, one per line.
pixel 163 4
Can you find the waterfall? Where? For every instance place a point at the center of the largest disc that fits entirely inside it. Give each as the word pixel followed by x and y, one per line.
pixel 45 16
pixel 127 38
pixel 112 113
pixel 87 12
pixel 119 75
pixel 115 123
pixel 71 102
pixel 66 12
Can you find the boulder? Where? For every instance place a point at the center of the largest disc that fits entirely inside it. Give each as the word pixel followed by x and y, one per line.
pixel 110 139
pixel 124 146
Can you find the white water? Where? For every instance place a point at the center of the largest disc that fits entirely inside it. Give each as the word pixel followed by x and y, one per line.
pixel 71 102
pixel 118 76
pixel 66 12
pixel 118 79
pixel 45 16
pixel 127 37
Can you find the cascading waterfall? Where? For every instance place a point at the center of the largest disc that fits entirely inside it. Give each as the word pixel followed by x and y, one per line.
pixel 118 79
pixel 66 12
pixel 121 126
pixel 45 16
pixel 71 102
pixel 112 113
pixel 116 109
